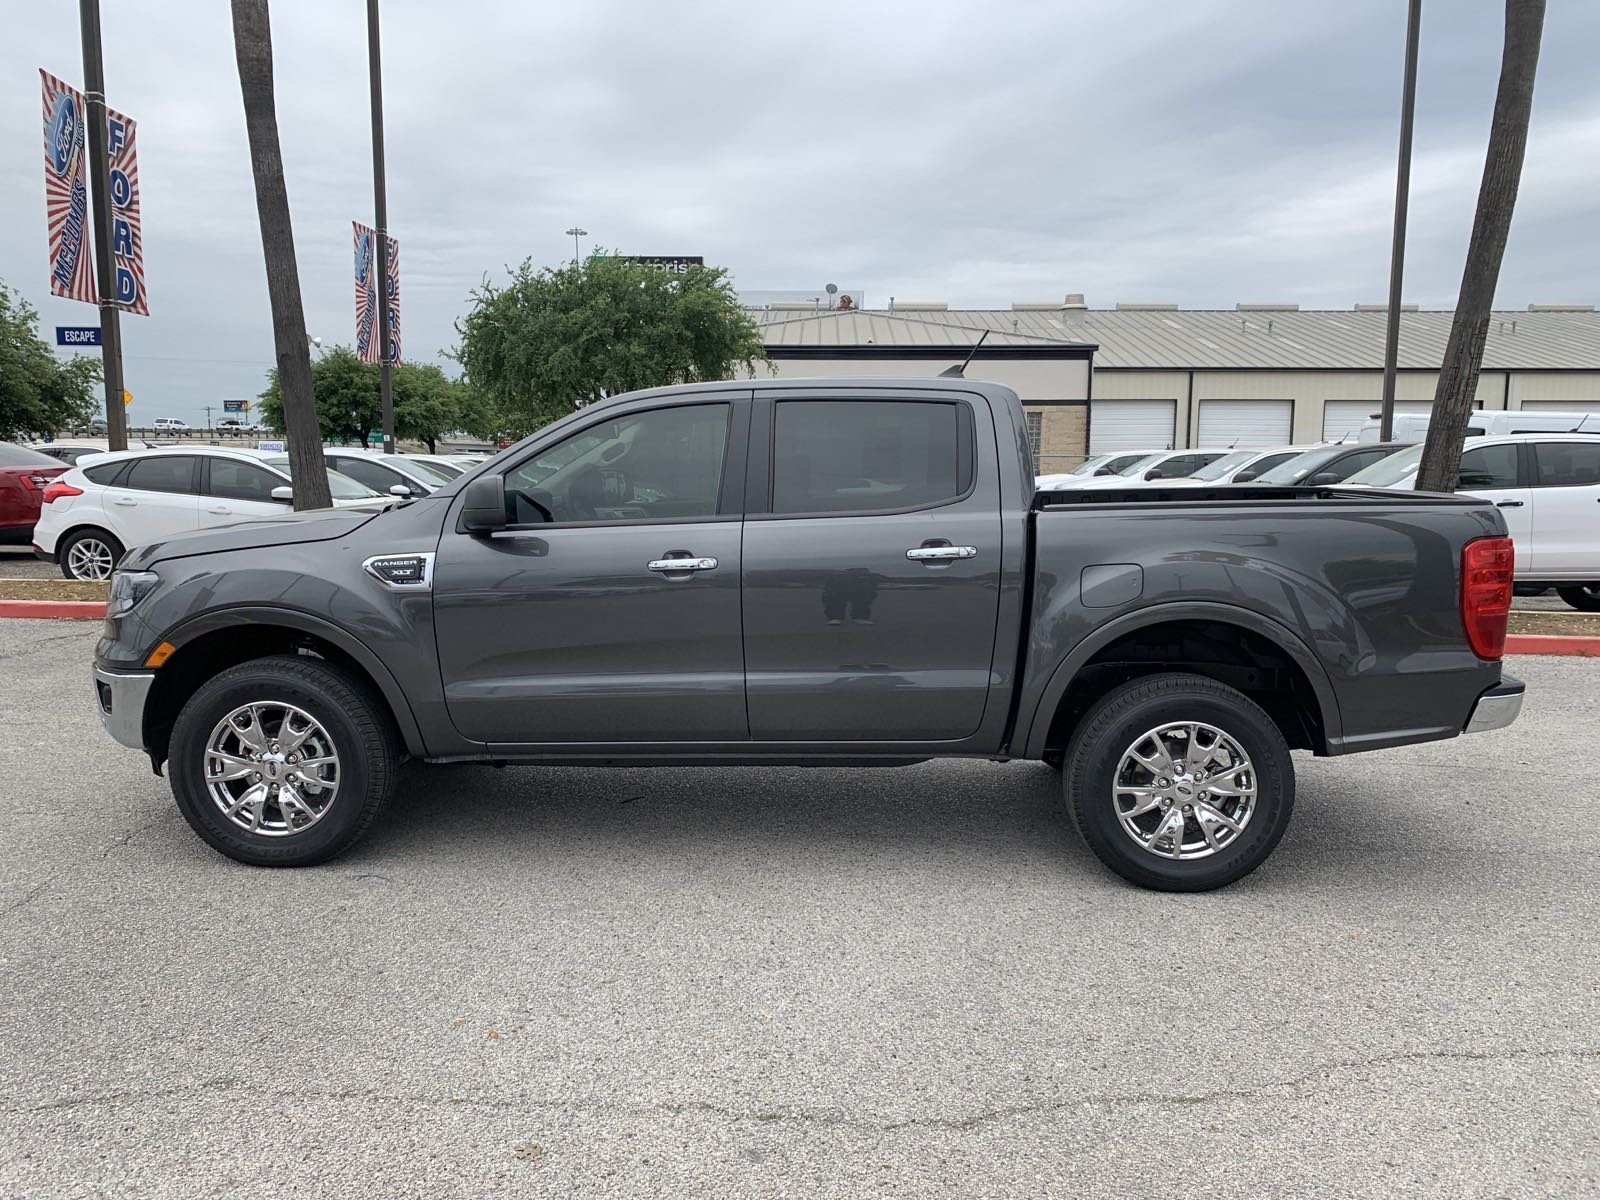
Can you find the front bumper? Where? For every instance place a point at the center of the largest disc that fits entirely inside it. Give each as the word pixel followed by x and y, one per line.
pixel 1497 707
pixel 121 697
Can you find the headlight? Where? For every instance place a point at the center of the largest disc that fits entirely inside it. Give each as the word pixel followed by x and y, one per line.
pixel 127 589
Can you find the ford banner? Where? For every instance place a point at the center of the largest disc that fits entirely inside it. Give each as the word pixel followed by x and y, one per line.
pixel 66 195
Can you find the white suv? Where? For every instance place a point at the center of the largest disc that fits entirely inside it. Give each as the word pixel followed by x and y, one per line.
pixel 108 502
pixel 1546 486
pixel 169 423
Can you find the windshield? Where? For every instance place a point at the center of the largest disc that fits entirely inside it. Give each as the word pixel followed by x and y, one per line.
pixel 1220 467
pixel 1296 469
pixel 1387 472
pixel 427 472
pixel 21 456
pixel 448 470
pixel 1091 465
pixel 340 487
pixel 1140 464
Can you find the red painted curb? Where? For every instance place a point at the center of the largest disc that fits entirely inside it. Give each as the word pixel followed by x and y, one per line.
pixel 54 610
pixel 1553 643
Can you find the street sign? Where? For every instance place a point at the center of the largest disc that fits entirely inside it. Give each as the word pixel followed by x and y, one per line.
pixel 77 335
pixel 127 397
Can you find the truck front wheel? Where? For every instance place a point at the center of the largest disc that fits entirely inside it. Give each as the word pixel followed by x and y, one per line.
pixel 282 761
pixel 1179 783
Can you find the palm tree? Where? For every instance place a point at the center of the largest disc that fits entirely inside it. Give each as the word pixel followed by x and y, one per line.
pixel 252 46
pixel 1497 197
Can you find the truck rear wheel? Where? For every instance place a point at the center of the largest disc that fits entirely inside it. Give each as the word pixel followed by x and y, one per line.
pixel 282 761
pixel 1582 596
pixel 1179 783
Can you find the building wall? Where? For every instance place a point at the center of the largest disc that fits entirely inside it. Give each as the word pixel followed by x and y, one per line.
pixel 1053 380
pixel 1063 437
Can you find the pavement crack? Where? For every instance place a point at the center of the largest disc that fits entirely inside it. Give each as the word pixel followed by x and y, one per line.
pixel 814 1118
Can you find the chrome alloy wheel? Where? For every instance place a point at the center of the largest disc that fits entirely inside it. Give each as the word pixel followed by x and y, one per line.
pixel 271 769
pixel 1184 790
pixel 89 558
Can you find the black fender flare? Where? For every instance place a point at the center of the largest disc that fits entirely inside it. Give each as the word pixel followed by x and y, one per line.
pixel 1032 735
pixel 293 618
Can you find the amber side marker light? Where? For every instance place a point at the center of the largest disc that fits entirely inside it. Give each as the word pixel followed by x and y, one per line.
pixel 160 654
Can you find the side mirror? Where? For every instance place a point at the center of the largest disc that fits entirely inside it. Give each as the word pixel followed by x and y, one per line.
pixel 400 490
pixel 483 505
pixel 1323 479
pixel 1105 471
pixel 284 494
pixel 1155 473
pixel 1245 476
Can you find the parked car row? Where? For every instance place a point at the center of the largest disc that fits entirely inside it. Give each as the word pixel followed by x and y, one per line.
pixel 1315 466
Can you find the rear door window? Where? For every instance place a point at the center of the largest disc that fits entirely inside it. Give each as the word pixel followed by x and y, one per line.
pixel 1488 467
pixel 860 456
pixel 163 473
pixel 1566 464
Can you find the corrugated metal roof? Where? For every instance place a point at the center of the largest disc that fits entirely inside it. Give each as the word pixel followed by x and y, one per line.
pixel 1328 339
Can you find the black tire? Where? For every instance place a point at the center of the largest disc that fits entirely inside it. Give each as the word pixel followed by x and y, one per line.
pixel 1111 728
pixel 355 720
pixel 1582 596
pixel 85 535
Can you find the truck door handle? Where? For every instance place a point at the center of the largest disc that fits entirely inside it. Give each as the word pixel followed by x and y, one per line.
pixel 1508 504
pixel 669 565
pixel 940 553
pixel 125 502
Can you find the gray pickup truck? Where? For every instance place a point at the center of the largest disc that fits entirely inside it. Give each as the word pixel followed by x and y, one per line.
pixel 841 572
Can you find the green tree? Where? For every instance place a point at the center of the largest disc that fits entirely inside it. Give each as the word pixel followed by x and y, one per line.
pixel 39 393
pixel 350 403
pixel 1497 198
pixel 558 338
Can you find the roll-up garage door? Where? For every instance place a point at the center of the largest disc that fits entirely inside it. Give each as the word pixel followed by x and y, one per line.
pixel 1344 418
pixel 1131 425
pixel 1245 423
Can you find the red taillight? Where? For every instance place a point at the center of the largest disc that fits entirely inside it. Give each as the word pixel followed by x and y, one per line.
pixel 1487 565
pixel 56 489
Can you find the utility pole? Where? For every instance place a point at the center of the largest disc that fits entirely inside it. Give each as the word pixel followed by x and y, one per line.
pixel 208 408
pixel 380 206
pixel 94 93
pixel 1402 199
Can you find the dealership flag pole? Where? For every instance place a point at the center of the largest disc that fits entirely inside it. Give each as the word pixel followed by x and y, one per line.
pixel 380 208
pixel 1402 195
pixel 94 93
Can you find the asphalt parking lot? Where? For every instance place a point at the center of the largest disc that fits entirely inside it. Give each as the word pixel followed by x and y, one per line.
pixel 784 982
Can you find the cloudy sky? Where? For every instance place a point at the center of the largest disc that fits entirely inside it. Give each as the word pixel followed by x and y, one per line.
pixel 1200 152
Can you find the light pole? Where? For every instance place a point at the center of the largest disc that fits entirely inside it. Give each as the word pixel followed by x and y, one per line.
pixel 575 233
pixel 1402 195
pixel 380 208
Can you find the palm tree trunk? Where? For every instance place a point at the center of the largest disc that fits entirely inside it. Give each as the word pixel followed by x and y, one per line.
pixel 252 46
pixel 1497 197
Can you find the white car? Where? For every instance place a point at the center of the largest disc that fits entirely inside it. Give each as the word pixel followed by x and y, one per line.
pixel 109 502
pixel 1546 486
pixel 388 474
pixel 1238 466
pixel 169 424
pixel 1165 466
pixel 1095 466
pixel 235 425
pixel 444 464
pixel 1413 427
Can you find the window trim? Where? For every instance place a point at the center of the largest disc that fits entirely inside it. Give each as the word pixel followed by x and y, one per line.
pixel 730 490
pixel 766 424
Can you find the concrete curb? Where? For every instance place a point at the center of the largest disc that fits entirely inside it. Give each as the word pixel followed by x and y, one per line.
pixel 1553 643
pixel 54 610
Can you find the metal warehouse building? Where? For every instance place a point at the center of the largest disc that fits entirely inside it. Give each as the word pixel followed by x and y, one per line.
pixel 1154 375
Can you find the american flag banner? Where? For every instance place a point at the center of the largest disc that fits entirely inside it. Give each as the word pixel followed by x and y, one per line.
pixel 66 194
pixel 127 233
pixel 366 269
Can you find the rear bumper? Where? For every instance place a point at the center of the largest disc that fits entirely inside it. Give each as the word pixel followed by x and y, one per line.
pixel 1498 707
pixel 44 555
pixel 120 697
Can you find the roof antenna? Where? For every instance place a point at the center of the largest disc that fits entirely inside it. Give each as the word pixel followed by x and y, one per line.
pixel 1578 428
pixel 960 372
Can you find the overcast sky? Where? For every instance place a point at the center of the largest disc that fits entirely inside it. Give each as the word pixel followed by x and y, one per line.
pixel 1200 152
